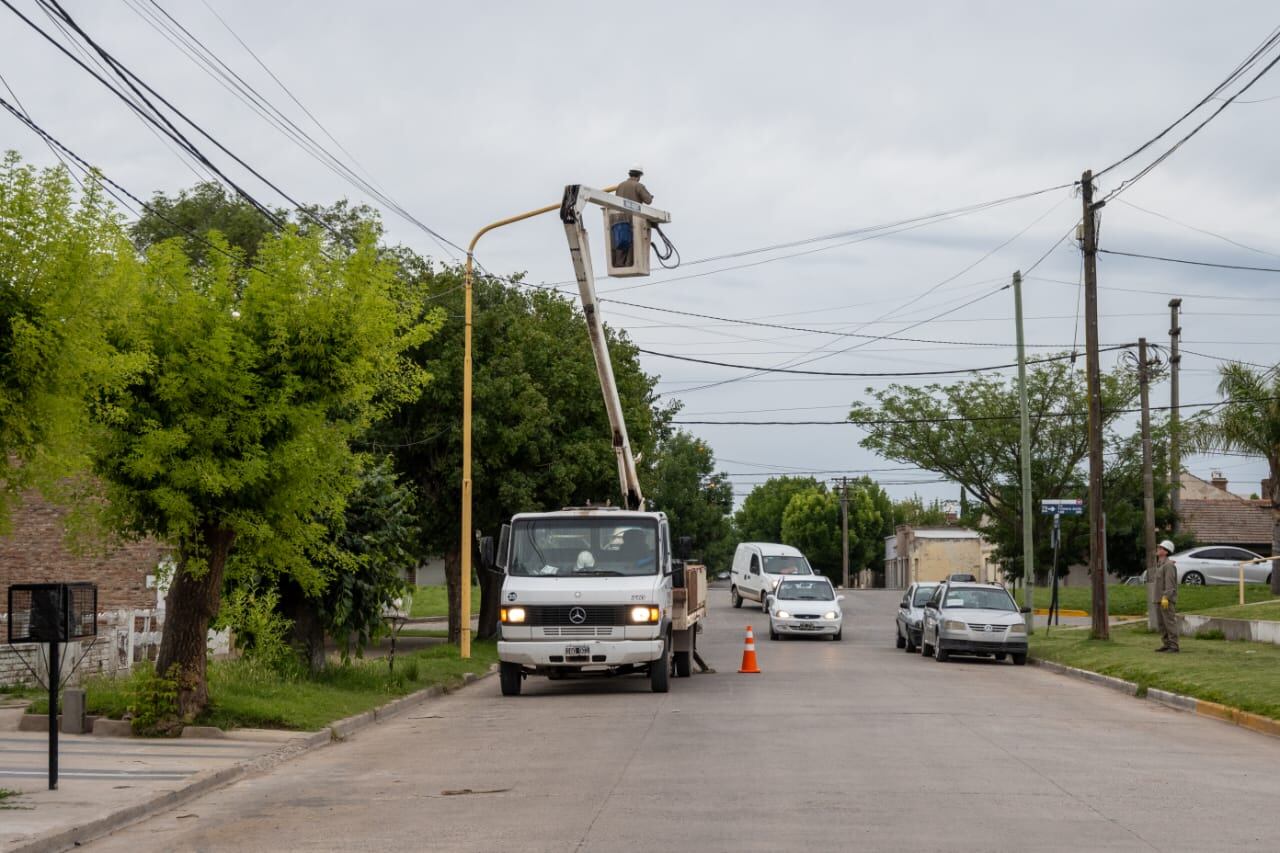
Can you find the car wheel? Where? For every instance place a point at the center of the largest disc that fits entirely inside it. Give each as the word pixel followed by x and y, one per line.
pixel 911 642
pixel 773 635
pixel 925 648
pixel 1000 655
pixel 901 641
pixel 940 654
pixel 735 597
pixel 1020 658
pixel 838 635
pixel 659 670
pixel 764 601
pixel 510 676
pixel 1193 579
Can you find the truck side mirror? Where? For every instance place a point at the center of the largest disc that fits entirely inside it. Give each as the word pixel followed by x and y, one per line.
pixel 684 547
pixel 502 558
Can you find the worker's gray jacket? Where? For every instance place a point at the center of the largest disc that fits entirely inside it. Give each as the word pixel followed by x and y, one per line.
pixel 1167 581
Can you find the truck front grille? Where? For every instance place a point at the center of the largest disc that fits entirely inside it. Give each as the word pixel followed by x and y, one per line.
pixel 576 631
pixel 589 615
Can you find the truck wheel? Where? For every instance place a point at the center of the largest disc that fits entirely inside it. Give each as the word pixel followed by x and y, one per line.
pixel 659 678
pixel 735 597
pixel 1019 658
pixel 510 676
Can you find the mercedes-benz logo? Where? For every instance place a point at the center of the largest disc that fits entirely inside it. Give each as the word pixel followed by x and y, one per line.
pixel 577 615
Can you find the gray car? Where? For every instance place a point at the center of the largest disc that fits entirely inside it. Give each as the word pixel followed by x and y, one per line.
pixel 911 612
pixel 973 619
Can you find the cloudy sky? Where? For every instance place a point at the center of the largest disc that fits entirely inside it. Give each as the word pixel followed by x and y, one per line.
pixel 758 124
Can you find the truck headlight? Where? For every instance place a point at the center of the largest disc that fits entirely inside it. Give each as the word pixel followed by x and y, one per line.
pixel 645 615
pixel 953 625
pixel 511 615
pixel 830 614
pixel 1019 628
pixel 773 584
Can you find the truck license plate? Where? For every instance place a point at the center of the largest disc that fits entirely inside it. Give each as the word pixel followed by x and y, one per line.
pixel 577 650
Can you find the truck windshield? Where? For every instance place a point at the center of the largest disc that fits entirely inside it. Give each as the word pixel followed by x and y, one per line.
pixel 786 566
pixel 574 547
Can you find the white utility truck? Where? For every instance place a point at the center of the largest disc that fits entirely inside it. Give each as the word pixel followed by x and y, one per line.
pixel 599 590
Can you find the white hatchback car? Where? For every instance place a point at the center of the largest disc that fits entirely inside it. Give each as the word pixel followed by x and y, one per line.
pixel 805 606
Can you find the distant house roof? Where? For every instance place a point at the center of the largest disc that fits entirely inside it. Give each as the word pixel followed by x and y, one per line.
pixel 945 533
pixel 1228 522
pixel 1199 489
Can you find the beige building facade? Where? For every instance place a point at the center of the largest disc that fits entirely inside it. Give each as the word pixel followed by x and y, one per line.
pixel 932 553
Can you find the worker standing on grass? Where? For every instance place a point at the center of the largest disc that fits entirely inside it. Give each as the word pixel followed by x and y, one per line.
pixel 620 226
pixel 1167 588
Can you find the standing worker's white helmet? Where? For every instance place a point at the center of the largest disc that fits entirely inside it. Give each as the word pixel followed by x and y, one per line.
pixel 1167 546
pixel 636 169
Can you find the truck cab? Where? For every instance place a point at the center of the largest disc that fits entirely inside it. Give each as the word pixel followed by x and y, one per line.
pixel 595 591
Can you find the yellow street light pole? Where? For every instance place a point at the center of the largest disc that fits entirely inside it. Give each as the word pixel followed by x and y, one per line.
pixel 465 642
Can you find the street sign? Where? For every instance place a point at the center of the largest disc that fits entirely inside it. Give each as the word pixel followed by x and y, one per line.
pixel 1062 506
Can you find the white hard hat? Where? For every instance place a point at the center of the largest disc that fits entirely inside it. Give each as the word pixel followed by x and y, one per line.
pixel 636 167
pixel 1167 546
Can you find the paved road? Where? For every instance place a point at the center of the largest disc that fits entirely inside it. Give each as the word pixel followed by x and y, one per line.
pixel 837 746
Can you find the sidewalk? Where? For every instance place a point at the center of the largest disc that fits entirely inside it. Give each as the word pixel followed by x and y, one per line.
pixel 107 783
pixel 100 777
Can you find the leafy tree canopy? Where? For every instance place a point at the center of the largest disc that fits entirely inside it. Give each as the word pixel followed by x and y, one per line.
pixel 760 517
pixel 697 500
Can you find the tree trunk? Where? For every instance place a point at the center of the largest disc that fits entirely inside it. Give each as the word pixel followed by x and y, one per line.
pixel 306 635
pixel 191 604
pixel 1274 465
pixel 453 586
pixel 490 602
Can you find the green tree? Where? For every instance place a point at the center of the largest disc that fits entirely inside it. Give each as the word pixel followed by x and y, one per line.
pixel 870 521
pixel 969 432
pixel 372 543
pixel 239 428
pixel 197 213
pixel 65 274
pixel 811 522
pixel 540 433
pixel 760 517
pixel 1248 422
pixel 914 512
pixel 696 499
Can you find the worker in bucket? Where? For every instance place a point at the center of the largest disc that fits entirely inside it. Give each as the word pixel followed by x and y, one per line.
pixel 621 233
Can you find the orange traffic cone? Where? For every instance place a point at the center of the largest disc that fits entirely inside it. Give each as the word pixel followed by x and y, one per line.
pixel 749 655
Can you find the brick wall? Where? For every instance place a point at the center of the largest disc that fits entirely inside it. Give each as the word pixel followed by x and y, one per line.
pixel 125 637
pixel 35 551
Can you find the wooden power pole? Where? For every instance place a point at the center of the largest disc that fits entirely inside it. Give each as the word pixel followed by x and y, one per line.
pixel 844 529
pixel 1148 482
pixel 1100 628
pixel 1175 462
pixel 1024 445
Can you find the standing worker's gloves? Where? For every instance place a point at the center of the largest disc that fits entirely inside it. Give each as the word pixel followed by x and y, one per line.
pixel 1164 602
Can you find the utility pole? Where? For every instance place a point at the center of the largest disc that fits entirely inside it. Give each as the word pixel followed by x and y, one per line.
pixel 1028 547
pixel 1148 481
pixel 1175 462
pixel 844 528
pixel 1100 628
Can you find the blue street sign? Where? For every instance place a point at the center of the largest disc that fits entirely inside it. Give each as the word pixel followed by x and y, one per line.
pixel 1062 506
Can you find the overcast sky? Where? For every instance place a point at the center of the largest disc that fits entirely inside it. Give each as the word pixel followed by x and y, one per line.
pixel 757 124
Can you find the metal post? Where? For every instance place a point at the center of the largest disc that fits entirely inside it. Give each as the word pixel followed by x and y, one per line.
pixel 1175 462
pixel 1100 628
pixel 467 542
pixel 1028 546
pixel 1148 482
pixel 53 716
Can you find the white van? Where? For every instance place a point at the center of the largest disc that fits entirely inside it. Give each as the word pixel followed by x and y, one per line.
pixel 759 566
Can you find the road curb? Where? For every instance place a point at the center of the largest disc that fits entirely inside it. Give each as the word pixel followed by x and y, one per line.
pixel 1119 684
pixel 1176 701
pixel 209 780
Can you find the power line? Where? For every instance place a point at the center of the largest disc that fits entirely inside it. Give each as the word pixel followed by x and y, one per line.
pixel 798 371
pixel 1240 69
pixel 1182 293
pixel 1204 231
pixel 1192 263
pixel 973 419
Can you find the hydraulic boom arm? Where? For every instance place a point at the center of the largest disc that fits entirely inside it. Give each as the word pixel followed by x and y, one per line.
pixel 576 198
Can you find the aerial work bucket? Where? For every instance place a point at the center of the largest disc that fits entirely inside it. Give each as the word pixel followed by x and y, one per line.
pixel 627 240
